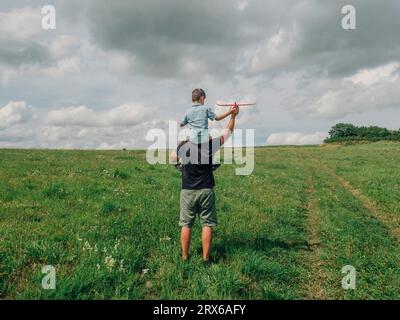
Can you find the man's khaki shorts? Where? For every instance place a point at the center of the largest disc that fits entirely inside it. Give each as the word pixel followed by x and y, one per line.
pixel 201 202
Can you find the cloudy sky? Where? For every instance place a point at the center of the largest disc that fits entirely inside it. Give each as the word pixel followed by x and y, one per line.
pixel 112 70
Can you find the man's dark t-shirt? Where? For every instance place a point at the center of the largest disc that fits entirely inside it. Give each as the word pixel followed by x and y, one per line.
pixel 197 166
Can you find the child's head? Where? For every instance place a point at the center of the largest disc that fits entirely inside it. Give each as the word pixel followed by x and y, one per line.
pixel 198 95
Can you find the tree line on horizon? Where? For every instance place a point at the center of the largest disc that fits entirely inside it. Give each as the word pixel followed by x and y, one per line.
pixel 343 132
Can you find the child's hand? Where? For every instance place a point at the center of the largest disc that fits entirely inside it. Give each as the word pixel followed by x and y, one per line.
pixel 235 110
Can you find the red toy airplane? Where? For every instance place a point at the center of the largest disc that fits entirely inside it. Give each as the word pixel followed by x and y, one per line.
pixel 235 104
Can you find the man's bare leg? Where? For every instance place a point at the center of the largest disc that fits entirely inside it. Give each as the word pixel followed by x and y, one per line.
pixel 206 237
pixel 186 234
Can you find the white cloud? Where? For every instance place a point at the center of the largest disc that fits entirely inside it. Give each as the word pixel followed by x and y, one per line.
pixel 127 144
pixel 20 23
pixel 368 77
pixel 64 46
pixel 335 98
pixel 242 4
pixel 14 113
pixel 77 127
pixel 81 137
pixel 296 138
pixel 66 66
pixel 6 75
pixel 119 62
pixel 277 51
pixel 124 115
pixel 62 68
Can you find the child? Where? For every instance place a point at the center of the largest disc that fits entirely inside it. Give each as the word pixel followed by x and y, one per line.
pixel 197 117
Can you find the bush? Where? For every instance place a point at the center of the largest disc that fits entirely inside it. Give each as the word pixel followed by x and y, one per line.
pixel 346 132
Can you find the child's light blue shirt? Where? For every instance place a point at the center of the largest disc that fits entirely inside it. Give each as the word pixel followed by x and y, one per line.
pixel 197 120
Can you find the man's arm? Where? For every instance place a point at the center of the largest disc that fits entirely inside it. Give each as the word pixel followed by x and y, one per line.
pixel 230 127
pixel 174 155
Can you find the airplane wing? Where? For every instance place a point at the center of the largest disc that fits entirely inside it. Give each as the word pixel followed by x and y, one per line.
pixel 232 104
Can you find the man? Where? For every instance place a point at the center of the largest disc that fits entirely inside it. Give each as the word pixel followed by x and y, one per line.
pixel 197 194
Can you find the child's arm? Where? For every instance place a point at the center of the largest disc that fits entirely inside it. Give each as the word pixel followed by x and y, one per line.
pixel 223 116
pixel 212 115
pixel 184 121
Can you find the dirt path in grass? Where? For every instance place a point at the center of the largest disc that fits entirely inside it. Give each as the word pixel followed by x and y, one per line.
pixel 391 221
pixel 317 278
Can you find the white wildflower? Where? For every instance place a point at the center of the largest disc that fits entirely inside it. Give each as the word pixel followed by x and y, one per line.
pixel 109 262
pixel 116 245
pixel 121 266
pixel 144 271
pixel 87 246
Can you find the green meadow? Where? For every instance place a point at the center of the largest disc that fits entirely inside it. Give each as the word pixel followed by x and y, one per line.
pixel 108 223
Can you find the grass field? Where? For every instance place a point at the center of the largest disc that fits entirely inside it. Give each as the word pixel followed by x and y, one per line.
pixel 107 221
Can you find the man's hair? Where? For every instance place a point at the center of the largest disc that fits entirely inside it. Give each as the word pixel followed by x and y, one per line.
pixel 179 164
pixel 197 94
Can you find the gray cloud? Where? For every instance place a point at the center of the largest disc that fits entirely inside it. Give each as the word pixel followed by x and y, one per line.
pixel 19 45
pixel 125 115
pixel 16 53
pixel 314 41
pixel 290 56
pixel 163 36
pixel 172 38
pixel 183 38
